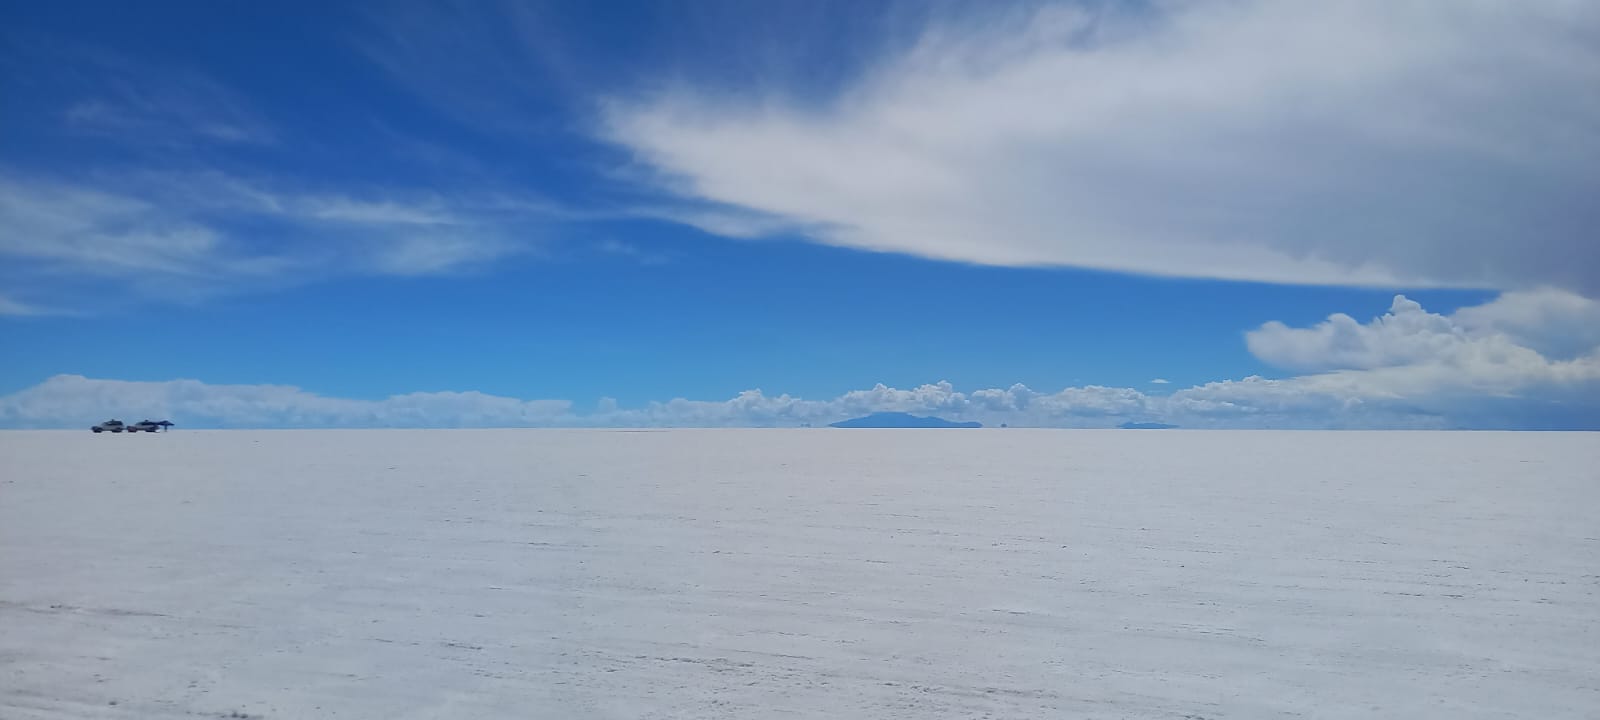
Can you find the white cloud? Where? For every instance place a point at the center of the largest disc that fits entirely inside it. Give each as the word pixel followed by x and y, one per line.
pixel 724 221
pixel 175 235
pixel 435 253
pixel 74 400
pixel 383 212
pixel 1365 142
pixel 103 233
pixel 1293 403
pixel 1558 324
pixel 1160 381
pixel 1408 368
pixel 1479 365
pixel 618 248
pixel 1405 335
pixel 1495 340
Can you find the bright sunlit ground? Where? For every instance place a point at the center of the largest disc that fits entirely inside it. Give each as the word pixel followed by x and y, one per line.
pixel 799 573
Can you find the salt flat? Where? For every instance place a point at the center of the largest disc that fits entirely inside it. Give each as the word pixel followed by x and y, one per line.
pixel 799 573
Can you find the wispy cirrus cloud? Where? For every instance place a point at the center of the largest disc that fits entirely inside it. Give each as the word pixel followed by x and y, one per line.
pixel 96 93
pixel 12 306
pixel 74 228
pixel 182 188
pixel 176 111
pixel 197 234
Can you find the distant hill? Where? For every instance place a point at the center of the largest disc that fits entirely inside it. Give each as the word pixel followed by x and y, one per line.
pixel 902 420
pixel 1146 426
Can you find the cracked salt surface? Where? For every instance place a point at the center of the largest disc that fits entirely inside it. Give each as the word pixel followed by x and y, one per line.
pixel 804 573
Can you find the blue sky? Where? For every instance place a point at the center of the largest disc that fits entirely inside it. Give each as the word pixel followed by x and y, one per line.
pixel 640 213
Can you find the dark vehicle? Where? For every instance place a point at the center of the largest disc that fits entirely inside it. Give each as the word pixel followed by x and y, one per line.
pixel 145 426
pixel 115 426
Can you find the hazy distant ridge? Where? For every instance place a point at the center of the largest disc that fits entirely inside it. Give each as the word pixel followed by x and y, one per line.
pixel 901 420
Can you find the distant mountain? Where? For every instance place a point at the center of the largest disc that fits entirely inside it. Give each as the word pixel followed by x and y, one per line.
pixel 902 420
pixel 1146 426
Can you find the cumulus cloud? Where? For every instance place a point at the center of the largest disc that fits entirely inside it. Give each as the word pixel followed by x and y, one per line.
pixel 1408 368
pixel 1406 335
pixel 1481 365
pixel 1499 340
pixel 1370 142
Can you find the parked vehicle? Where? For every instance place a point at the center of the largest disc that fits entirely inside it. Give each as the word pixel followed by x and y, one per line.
pixel 118 426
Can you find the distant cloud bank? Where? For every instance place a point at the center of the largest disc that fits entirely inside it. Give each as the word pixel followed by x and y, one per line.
pixel 1522 361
